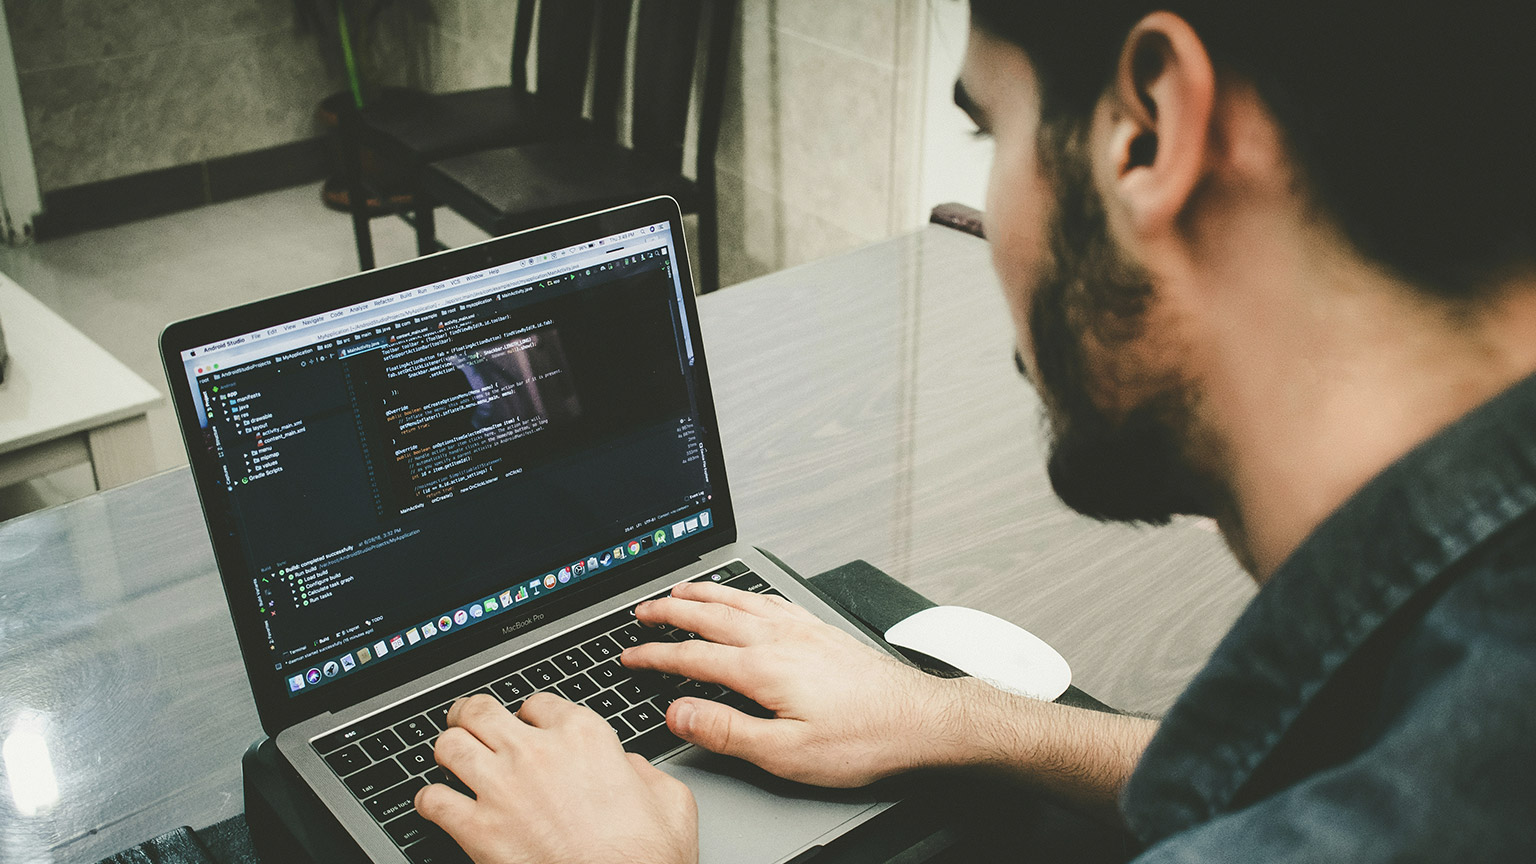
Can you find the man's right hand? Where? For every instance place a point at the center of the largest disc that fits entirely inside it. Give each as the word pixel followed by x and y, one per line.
pixel 847 715
pixel 844 714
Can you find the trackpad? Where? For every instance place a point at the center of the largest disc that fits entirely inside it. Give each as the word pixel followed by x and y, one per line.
pixel 747 815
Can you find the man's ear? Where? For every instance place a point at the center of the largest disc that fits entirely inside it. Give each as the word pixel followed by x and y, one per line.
pixel 1160 106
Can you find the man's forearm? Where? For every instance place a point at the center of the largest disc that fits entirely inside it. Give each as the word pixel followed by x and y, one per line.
pixel 1079 756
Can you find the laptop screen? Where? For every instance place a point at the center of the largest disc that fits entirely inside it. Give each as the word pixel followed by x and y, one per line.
pixel 412 466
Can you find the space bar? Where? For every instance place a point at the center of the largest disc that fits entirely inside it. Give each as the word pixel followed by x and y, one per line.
pixel 653 743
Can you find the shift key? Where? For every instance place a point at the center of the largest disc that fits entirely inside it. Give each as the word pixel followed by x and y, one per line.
pixel 375 779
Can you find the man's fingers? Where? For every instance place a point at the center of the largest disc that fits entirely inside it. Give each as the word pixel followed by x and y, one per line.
pixel 662 784
pixel 696 659
pixel 723 729
pixel 437 803
pixel 486 719
pixel 543 710
pixel 466 756
pixel 717 622
pixel 765 605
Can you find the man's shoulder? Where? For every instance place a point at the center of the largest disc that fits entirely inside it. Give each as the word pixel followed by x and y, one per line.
pixel 1422 740
pixel 1438 769
pixel 1474 647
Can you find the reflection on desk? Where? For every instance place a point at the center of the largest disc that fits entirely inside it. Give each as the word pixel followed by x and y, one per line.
pixel 869 409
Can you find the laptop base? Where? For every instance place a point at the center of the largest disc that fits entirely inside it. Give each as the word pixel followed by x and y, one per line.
pixel 935 824
pixel 287 821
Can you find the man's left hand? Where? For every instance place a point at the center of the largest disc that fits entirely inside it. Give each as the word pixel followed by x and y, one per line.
pixel 553 784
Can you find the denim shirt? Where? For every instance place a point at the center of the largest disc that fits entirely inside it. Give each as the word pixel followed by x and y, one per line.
pixel 1377 699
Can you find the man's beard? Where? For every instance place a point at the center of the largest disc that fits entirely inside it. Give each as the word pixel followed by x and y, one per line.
pixel 1131 468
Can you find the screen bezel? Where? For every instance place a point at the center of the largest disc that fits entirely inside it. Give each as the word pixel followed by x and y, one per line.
pixel 274 705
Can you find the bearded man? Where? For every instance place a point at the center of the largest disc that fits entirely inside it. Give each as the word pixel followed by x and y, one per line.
pixel 1274 263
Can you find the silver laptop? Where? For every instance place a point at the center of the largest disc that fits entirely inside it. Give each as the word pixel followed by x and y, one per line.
pixel 459 475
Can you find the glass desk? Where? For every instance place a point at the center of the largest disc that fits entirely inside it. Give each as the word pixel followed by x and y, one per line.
pixel 869 408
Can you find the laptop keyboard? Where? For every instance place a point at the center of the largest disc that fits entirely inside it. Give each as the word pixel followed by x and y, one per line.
pixel 386 757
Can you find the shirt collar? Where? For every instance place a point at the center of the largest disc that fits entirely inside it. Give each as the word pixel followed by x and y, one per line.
pixel 1388 541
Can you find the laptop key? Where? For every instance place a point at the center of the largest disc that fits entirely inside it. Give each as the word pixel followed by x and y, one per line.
pixel 744 705
pixel 749 582
pixel 577 687
pixel 382 745
pixel 656 682
pixel 375 779
pixel 609 674
pixel 357 731
pixel 607 703
pixel 701 689
pixel 714 576
pixel 439 715
pixel 542 675
pixel 572 661
pixel 347 759
pixel 447 778
pixel 415 730
pixel 436 850
pixel 635 633
pixel 602 648
pixel 512 689
pixel 417 759
pixel 621 728
pixel 629 635
pixel 643 716
pixel 409 828
pixel 399 799
pixel 653 743
pixel 632 691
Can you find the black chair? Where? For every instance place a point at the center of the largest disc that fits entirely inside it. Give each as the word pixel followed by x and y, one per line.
pixel 410 128
pixel 511 188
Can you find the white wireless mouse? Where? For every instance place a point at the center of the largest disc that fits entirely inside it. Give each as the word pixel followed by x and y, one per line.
pixel 985 647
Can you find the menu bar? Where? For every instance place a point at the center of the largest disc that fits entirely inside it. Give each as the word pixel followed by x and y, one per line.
pixel 335 322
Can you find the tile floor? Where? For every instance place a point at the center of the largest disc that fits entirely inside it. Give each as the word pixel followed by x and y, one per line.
pixel 122 285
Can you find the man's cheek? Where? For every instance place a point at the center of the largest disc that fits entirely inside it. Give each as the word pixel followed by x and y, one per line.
pixel 1019 296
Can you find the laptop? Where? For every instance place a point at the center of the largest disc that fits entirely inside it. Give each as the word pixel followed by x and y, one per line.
pixel 459 475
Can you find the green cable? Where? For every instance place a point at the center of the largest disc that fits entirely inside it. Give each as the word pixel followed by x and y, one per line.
pixel 346 53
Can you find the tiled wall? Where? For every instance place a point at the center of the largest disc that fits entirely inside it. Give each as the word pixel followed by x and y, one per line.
pixel 817 150
pixel 117 87
pixel 469 44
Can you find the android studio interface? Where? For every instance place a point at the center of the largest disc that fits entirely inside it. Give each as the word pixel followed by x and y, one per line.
pixel 410 466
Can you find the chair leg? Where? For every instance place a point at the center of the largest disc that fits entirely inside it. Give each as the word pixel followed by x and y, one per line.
pixel 709 247
pixel 426 226
pixel 361 231
pixel 357 196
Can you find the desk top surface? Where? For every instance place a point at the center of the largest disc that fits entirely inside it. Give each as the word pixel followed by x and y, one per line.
pixel 58 381
pixel 869 409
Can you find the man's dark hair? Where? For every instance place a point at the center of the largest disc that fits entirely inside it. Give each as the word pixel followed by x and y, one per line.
pixel 1413 123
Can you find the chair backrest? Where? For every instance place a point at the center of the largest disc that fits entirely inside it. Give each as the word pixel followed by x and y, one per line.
pixel 560 35
pixel 676 42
